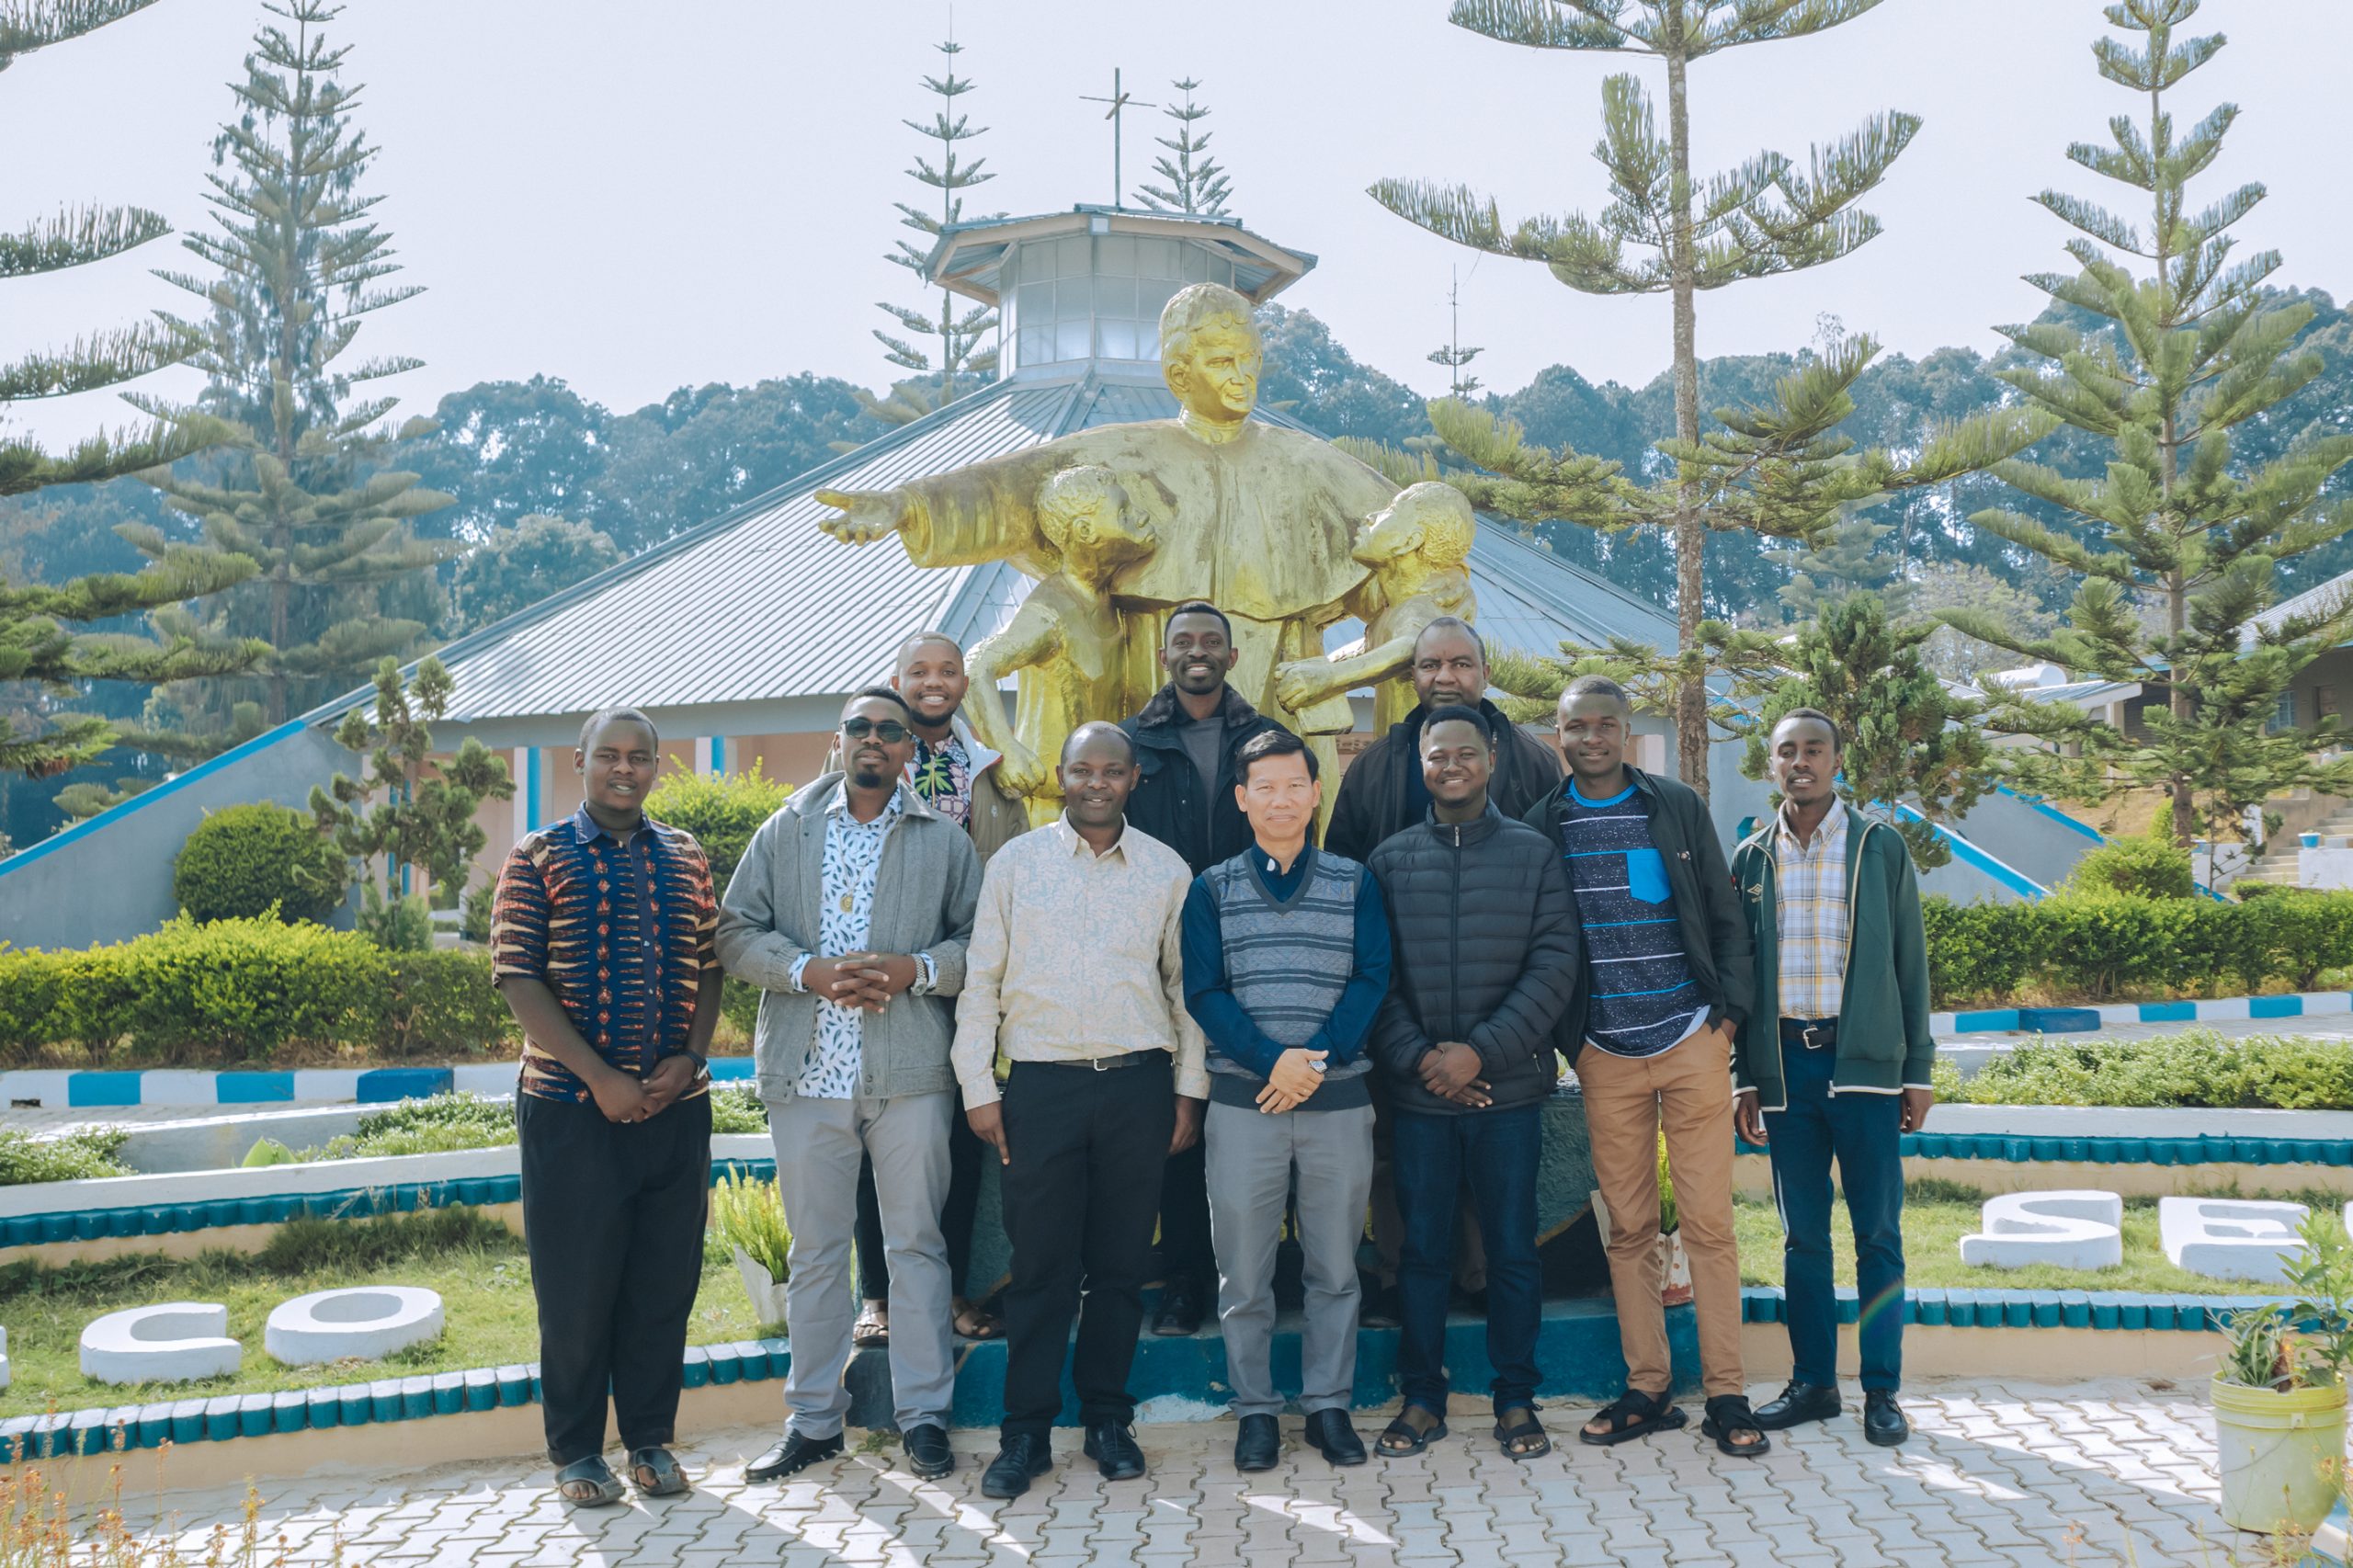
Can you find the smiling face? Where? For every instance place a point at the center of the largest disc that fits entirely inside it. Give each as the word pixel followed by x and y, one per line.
pixel 617 766
pixel 872 759
pixel 1098 771
pixel 1278 797
pixel 1197 654
pixel 1590 731
pixel 1455 761
pixel 1214 373
pixel 1449 668
pixel 931 677
pixel 1804 760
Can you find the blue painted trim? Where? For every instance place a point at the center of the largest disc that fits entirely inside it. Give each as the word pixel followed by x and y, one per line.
pixel 169 787
pixel 531 786
pixel 719 754
pixel 252 1088
pixel 1969 854
pixel 2275 1006
pixel 2054 813
pixel 1998 1020
pixel 2168 1012
pixel 387 1083
pixel 102 1088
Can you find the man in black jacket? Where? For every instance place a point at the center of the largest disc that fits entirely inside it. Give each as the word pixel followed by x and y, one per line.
pixel 1485 938
pixel 1381 794
pixel 1186 739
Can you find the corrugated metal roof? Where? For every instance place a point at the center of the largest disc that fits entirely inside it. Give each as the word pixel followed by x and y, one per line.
pixel 731 611
pixel 2318 600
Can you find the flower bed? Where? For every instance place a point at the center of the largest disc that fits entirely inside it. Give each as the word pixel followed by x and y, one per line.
pixel 2198 1069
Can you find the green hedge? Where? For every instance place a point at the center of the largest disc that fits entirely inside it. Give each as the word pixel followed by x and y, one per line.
pixel 2095 946
pixel 2197 1069
pixel 242 860
pixel 242 991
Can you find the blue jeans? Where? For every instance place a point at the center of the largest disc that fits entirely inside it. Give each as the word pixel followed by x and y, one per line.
pixel 1862 1132
pixel 1497 1151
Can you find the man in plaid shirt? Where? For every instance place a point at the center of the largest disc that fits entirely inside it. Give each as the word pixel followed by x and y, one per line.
pixel 602 944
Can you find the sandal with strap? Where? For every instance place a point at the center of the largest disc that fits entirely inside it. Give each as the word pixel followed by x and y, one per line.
pixel 973 1321
pixel 655 1471
pixel 1405 1437
pixel 1512 1435
pixel 1728 1414
pixel 872 1329
pixel 1630 1415
pixel 589 1483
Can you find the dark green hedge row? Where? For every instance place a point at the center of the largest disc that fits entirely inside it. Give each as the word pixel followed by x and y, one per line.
pixel 242 991
pixel 2097 946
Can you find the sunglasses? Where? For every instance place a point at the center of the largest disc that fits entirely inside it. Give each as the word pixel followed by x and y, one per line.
pixel 890 732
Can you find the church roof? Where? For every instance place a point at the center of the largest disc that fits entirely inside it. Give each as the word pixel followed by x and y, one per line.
pixel 757 605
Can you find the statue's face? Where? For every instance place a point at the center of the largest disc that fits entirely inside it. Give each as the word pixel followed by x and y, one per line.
pixel 1217 376
pixel 1386 535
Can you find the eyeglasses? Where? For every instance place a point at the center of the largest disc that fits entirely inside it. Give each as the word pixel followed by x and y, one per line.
pixel 890 732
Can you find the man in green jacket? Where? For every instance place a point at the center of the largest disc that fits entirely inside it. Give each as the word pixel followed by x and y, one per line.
pixel 1834 1063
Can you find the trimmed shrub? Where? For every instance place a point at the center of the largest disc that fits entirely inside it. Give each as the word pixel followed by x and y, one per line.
pixel 2151 865
pixel 2197 1069
pixel 78 1155
pixel 2096 945
pixel 242 860
pixel 723 810
pixel 434 1125
pixel 441 1003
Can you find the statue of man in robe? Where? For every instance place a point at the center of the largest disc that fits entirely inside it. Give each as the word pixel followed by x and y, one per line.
pixel 1256 518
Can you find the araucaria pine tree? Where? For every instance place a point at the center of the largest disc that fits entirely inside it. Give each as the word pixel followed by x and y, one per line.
pixel 298 258
pixel 40 644
pixel 1451 353
pixel 1686 235
pixel 953 346
pixel 2176 526
pixel 1191 181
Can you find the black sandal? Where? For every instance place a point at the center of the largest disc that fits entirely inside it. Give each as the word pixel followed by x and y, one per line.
pixel 1403 1439
pixel 1630 1415
pixel 1727 1414
pixel 603 1487
pixel 1509 1432
pixel 655 1471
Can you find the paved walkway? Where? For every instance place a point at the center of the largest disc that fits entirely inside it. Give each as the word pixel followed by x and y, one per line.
pixel 2013 1476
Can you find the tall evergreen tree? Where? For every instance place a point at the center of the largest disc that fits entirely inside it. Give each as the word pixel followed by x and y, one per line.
pixel 40 640
pixel 1452 354
pixel 299 256
pixel 2180 362
pixel 1191 181
pixel 951 348
pixel 1767 215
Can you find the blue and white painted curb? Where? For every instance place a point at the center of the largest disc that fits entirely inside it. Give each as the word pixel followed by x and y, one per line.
pixel 56 1089
pixel 2086 1020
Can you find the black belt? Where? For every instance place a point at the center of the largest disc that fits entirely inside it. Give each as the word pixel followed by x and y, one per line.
pixel 1815 1034
pixel 1106 1064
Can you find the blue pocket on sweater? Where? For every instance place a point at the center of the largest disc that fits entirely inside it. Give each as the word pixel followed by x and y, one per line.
pixel 1646 876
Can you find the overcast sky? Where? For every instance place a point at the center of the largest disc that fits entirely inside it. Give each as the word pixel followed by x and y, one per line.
pixel 635 198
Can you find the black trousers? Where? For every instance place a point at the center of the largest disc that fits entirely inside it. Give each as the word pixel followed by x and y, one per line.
pixel 964 1148
pixel 1087 1149
pixel 613 1220
pixel 1185 1250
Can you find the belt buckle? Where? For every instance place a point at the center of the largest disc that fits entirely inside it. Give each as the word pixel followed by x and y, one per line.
pixel 1806 1035
pixel 1097 1062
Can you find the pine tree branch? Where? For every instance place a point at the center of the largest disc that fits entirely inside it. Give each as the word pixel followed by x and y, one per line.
pixel 29 24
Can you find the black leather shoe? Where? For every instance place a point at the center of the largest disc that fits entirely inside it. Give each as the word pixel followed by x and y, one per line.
pixel 1334 1436
pixel 1260 1444
pixel 1020 1459
pixel 928 1454
pixel 1112 1446
pixel 1180 1310
pixel 791 1455
pixel 1798 1403
pixel 1884 1419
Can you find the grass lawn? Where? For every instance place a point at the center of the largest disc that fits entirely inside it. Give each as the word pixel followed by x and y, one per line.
pixel 1933 1227
pixel 477 1266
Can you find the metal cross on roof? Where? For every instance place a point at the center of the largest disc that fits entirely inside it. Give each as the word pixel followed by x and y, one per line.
pixel 1118 100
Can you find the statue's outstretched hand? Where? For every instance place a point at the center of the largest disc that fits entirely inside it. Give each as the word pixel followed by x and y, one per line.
pixel 1303 683
pixel 1022 770
pixel 865 515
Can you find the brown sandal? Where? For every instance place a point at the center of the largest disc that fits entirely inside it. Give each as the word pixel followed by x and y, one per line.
pixel 872 1329
pixel 973 1321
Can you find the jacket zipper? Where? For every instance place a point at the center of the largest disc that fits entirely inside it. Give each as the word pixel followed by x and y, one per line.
pixel 1454 941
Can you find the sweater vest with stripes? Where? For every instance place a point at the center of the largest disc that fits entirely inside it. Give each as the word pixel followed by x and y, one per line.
pixel 1287 963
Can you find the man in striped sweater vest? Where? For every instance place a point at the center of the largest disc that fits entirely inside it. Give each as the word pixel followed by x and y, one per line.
pixel 1286 962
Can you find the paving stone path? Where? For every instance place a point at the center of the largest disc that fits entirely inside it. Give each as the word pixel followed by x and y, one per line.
pixel 1996 1476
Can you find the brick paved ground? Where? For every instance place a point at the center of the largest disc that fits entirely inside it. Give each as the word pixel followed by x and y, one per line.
pixel 1995 1475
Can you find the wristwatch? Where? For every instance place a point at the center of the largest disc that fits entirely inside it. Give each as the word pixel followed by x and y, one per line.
pixel 1318 1063
pixel 702 1062
pixel 927 978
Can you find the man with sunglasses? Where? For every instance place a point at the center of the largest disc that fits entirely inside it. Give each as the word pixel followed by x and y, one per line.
pixel 851 910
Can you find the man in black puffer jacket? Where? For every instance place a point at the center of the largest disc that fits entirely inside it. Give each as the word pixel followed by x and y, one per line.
pixel 1484 937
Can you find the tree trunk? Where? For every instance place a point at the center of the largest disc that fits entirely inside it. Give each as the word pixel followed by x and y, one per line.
pixel 1690 530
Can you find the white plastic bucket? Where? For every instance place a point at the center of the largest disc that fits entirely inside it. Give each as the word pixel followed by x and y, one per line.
pixel 2282 1455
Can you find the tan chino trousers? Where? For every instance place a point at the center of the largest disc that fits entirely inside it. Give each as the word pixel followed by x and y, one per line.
pixel 1688 1090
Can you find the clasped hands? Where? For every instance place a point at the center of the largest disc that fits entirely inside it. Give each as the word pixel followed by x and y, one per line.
pixel 1451 1071
pixel 623 1096
pixel 859 980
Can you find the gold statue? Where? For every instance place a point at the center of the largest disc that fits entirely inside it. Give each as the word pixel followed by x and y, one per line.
pixel 1066 636
pixel 1254 517
pixel 1416 547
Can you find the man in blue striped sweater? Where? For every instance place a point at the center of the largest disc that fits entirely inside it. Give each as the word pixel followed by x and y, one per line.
pixel 1286 962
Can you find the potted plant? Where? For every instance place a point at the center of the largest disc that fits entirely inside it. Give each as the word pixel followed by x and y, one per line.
pixel 749 1217
pixel 1674 1266
pixel 2279 1394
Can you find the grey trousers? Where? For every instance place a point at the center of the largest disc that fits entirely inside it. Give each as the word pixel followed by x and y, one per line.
pixel 1251 1160
pixel 818 1146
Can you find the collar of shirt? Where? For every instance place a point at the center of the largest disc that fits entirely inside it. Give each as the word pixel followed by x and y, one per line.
pixel 839 806
pixel 1833 820
pixel 1078 846
pixel 586 829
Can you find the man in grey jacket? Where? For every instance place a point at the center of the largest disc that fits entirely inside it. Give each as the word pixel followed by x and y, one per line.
pixel 851 910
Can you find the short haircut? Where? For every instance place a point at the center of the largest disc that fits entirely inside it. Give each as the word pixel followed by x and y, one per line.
pixel 1459 713
pixel 1196 306
pixel 604 716
pixel 1837 741
pixel 1195 606
pixel 1092 728
pixel 885 693
pixel 1275 743
pixel 1452 623
pixel 920 638
pixel 1597 685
